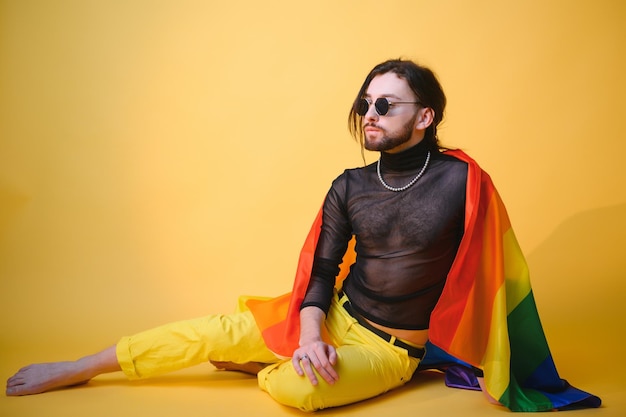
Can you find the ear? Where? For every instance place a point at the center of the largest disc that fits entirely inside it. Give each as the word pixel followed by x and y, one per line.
pixel 425 118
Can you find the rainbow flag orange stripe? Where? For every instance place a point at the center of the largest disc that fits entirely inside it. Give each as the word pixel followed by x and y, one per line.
pixel 486 316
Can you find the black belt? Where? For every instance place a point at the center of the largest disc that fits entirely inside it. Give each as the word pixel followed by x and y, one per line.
pixel 412 350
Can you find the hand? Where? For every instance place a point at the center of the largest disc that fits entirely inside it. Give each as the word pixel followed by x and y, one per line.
pixel 318 355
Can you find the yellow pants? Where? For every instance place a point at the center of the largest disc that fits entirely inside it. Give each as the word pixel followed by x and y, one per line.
pixel 367 365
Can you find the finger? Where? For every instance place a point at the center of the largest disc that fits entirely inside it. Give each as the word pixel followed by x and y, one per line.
pixel 332 355
pixel 328 373
pixel 302 365
pixel 295 361
pixel 310 372
pixel 325 369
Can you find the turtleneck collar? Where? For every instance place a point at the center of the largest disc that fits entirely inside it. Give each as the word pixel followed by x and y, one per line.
pixel 406 160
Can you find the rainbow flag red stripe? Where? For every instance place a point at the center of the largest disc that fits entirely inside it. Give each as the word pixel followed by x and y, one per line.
pixel 486 316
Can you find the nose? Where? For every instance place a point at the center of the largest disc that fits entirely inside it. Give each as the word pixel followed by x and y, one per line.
pixel 371 114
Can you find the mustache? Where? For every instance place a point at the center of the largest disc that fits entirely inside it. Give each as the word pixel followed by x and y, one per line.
pixel 374 125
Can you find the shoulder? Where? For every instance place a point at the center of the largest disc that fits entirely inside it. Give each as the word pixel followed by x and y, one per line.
pixel 350 174
pixel 450 164
pixel 352 179
pixel 452 157
pixel 461 156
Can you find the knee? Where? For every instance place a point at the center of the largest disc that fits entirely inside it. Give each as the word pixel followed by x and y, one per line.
pixel 288 388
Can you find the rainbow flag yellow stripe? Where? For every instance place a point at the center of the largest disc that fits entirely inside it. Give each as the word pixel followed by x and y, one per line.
pixel 486 316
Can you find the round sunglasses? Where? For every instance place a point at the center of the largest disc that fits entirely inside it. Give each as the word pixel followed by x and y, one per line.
pixel 381 105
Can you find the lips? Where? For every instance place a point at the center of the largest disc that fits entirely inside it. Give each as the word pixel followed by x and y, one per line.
pixel 371 129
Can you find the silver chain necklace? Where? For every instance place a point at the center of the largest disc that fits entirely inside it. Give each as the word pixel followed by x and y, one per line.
pixel 413 181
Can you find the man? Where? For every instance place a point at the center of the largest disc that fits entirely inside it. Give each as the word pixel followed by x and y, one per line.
pixel 350 342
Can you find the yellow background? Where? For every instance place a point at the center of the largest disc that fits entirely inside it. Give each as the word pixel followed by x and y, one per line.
pixel 160 158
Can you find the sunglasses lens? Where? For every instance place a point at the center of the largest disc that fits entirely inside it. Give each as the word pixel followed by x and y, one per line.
pixel 362 106
pixel 382 106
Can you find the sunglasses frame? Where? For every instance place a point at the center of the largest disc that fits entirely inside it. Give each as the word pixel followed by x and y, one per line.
pixel 381 112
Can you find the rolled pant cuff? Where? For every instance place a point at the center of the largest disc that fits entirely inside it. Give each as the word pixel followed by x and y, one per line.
pixel 125 360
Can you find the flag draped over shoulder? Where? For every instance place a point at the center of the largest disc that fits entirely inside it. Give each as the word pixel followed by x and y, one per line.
pixel 486 316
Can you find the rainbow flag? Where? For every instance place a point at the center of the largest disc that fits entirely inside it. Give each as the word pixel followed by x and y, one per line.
pixel 486 317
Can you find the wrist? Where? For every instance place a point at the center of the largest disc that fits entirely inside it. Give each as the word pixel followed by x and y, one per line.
pixel 309 339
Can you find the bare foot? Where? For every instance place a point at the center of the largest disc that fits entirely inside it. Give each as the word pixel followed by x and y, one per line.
pixel 251 368
pixel 42 377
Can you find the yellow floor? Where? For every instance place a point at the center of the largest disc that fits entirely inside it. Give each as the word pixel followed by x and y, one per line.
pixel 203 390
pixel 582 318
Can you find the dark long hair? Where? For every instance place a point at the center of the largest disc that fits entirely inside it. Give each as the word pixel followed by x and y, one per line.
pixel 424 84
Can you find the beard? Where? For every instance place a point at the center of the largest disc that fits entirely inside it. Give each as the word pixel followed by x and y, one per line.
pixel 390 140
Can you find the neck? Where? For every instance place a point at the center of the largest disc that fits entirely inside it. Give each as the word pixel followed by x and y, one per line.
pixel 408 159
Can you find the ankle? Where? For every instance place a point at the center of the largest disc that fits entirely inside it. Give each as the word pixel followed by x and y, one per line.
pixel 96 364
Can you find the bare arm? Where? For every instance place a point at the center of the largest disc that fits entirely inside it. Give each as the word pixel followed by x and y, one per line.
pixel 313 352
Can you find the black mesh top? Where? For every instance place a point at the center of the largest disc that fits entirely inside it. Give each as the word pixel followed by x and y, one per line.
pixel 405 241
